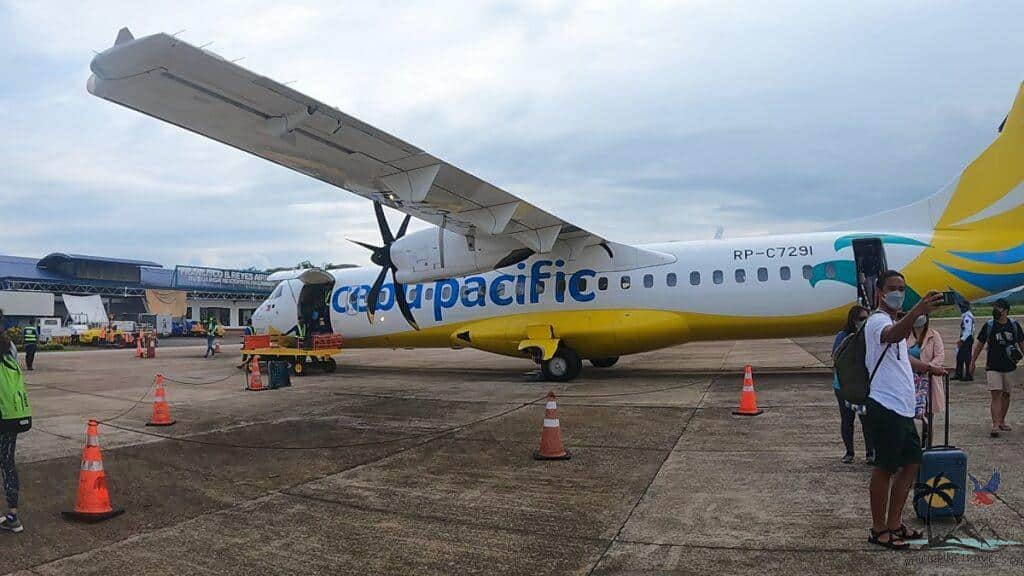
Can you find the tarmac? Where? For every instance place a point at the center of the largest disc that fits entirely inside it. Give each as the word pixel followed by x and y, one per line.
pixel 419 462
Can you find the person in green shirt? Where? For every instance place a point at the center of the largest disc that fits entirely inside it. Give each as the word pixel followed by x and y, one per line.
pixel 15 417
pixel 30 337
pixel 211 336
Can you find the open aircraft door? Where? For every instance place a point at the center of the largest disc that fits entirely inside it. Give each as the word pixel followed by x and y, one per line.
pixel 869 256
pixel 314 302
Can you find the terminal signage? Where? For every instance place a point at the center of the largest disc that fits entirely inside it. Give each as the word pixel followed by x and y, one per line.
pixel 221 279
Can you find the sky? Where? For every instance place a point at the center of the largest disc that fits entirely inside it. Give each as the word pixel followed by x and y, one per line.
pixel 640 121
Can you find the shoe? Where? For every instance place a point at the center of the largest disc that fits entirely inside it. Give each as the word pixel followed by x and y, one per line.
pixel 847 459
pixel 870 460
pixel 11 523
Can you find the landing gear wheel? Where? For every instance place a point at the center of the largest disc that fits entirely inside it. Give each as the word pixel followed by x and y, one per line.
pixel 563 366
pixel 299 367
pixel 329 365
pixel 604 362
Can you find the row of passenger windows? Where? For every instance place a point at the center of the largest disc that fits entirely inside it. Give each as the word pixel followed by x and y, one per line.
pixel 717 277
pixel 671 279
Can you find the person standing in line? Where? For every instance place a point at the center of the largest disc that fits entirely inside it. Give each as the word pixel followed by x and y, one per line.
pixel 1003 337
pixel 848 412
pixel 890 409
pixel 30 338
pixel 966 342
pixel 928 355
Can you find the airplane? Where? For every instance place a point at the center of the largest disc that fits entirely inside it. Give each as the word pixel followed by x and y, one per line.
pixel 498 274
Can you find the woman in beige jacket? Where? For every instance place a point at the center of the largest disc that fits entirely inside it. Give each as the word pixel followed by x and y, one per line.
pixel 927 356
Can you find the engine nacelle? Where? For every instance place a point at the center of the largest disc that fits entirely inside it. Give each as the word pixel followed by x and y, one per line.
pixel 436 254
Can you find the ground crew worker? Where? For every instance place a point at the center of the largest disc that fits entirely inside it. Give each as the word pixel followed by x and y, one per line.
pixel 30 337
pixel 211 336
pixel 15 417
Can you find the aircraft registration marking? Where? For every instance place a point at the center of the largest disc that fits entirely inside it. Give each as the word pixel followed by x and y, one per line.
pixel 774 252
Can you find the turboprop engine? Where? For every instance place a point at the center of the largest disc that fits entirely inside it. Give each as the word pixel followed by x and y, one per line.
pixel 436 254
pixel 433 254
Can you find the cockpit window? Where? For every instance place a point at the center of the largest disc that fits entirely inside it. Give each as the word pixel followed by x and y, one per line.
pixel 277 293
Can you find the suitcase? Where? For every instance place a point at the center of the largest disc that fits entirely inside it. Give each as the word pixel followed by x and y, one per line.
pixel 941 489
pixel 279 374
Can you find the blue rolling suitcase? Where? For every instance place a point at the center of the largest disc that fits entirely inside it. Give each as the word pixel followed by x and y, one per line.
pixel 941 489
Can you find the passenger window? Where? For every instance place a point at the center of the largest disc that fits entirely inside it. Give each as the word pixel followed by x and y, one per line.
pixel 520 290
pixel 446 292
pixel 382 296
pixel 717 277
pixel 429 294
pixel 784 272
pixel 741 275
pixel 670 279
pixel 830 270
pixel 762 274
pixel 624 282
pixel 695 278
pixel 648 280
pixel 540 287
pixel 501 290
pixel 807 271
pixel 353 298
pixel 560 286
pixel 602 283
pixel 581 285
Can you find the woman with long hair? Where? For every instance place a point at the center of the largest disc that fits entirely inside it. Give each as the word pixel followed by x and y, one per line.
pixel 927 355
pixel 855 318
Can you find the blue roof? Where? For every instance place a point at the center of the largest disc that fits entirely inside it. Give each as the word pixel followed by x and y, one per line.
pixel 58 256
pixel 151 275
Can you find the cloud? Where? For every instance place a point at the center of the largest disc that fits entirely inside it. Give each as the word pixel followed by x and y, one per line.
pixel 642 123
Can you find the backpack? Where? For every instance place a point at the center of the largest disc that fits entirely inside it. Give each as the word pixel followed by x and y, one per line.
pixel 854 380
pixel 15 411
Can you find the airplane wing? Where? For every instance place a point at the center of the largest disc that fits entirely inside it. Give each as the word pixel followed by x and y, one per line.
pixel 169 79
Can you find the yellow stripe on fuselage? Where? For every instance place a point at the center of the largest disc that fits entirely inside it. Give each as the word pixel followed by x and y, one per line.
pixel 607 333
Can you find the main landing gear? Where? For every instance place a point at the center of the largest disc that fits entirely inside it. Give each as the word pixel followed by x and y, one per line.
pixel 563 366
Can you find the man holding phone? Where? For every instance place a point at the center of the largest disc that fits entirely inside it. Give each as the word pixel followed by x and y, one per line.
pixel 1003 337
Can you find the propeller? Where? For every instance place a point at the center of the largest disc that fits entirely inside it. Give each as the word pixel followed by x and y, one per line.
pixel 381 256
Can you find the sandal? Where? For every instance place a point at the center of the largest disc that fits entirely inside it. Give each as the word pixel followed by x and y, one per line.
pixel 904 533
pixel 1005 427
pixel 894 542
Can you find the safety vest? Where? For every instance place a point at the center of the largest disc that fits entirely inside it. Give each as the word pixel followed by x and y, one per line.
pixel 15 411
pixel 29 335
pixel 300 331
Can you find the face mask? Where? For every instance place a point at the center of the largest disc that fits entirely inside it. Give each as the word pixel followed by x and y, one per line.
pixel 894 299
pixel 920 322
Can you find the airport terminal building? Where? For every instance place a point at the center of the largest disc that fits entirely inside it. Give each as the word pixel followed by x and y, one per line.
pixel 35 287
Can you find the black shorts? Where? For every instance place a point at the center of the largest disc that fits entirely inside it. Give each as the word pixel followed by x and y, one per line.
pixel 895 437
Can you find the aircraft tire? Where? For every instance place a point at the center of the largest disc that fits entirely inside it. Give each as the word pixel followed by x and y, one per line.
pixel 604 362
pixel 563 366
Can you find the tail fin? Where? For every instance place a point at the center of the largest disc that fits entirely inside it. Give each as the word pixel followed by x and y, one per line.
pixel 990 191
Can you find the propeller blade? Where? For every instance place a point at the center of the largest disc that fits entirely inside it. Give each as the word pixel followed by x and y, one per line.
pixel 382 223
pixel 403 304
pixel 401 229
pixel 374 296
pixel 369 247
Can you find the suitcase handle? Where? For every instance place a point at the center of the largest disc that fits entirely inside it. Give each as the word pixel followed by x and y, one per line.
pixel 930 416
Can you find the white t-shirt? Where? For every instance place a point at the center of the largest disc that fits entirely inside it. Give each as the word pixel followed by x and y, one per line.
pixel 893 386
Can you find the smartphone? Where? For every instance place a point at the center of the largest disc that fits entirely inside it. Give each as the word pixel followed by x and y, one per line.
pixel 948 298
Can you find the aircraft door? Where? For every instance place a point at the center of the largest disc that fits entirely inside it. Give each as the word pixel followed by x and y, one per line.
pixel 869 256
pixel 315 308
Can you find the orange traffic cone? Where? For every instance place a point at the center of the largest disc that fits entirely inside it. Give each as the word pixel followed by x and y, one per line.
pixel 138 347
pixel 93 502
pixel 255 380
pixel 161 411
pixel 748 398
pixel 551 436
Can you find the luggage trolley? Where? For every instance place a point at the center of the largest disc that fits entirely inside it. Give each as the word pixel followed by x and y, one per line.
pixel 317 351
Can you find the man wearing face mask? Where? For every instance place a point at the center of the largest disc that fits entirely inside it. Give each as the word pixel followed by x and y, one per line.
pixel 891 408
pixel 1003 337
